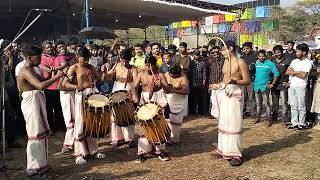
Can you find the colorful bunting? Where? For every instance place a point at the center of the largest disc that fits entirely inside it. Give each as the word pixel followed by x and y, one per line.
pixel 263 11
pixel 247 14
pixel 185 24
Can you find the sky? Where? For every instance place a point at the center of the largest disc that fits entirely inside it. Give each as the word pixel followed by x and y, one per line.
pixel 284 3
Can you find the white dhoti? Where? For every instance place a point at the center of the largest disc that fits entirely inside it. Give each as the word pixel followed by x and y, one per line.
pixel 144 147
pixel 121 134
pixel 230 122
pixel 67 99
pixel 215 99
pixel 177 111
pixel 33 107
pixel 83 145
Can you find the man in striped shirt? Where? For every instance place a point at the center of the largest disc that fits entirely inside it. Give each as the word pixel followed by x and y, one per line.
pixel 265 78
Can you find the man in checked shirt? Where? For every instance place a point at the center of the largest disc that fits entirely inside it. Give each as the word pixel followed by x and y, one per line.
pixel 215 77
pixel 198 78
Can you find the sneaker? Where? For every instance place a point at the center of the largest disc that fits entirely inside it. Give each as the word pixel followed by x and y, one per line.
pixel 299 128
pixel 80 160
pixel 66 150
pixel 164 156
pixel 132 144
pixel 141 158
pixel 292 127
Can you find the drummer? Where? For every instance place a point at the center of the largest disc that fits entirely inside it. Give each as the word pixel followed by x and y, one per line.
pixel 153 83
pixel 81 77
pixel 124 74
pixel 177 98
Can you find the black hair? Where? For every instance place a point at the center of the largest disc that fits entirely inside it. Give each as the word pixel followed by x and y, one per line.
pixel 94 46
pixel 262 51
pixel 31 50
pixel 231 44
pixel 216 47
pixel 154 44
pixel 72 43
pixel 138 45
pixel 175 69
pixel 172 47
pixel 247 44
pixel 151 60
pixel 278 47
pixel 303 47
pixel 44 43
pixel 126 54
pixel 269 53
pixel 184 44
pixel 59 41
pixel 84 52
pixel 290 42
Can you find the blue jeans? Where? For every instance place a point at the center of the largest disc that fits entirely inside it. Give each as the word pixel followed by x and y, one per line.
pixel 262 98
pixel 276 95
pixel 298 107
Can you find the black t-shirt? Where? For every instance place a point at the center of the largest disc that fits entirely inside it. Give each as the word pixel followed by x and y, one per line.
pixel 290 56
pixel 282 67
pixel 251 59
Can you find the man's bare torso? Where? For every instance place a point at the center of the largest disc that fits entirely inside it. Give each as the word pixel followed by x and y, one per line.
pixel 23 84
pixel 122 73
pixel 235 69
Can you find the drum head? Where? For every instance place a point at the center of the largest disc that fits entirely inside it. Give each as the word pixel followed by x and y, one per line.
pixel 147 111
pixel 98 100
pixel 119 96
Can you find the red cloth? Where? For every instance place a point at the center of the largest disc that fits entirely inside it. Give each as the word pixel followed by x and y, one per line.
pixel 51 61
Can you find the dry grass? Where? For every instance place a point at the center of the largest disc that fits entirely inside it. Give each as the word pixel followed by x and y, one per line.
pixel 269 153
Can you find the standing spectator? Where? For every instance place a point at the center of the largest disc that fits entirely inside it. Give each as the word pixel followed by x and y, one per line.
pixel 298 71
pixel 265 71
pixel 280 89
pixel 164 68
pixel 8 81
pixel 198 78
pixel 147 49
pixel 138 59
pixel 250 58
pixel 290 52
pixel 95 60
pixel 315 108
pixel 156 53
pixel 183 59
pixel 215 77
pixel 50 62
pixel 172 50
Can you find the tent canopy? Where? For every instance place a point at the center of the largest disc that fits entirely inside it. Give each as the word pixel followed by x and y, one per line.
pixel 142 13
pixel 113 14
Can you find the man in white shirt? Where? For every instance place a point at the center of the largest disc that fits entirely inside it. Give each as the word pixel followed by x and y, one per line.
pixel 298 71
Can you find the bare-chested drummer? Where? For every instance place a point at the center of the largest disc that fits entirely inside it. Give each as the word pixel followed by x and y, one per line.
pixel 82 77
pixel 177 99
pixel 235 77
pixel 33 106
pixel 152 82
pixel 124 74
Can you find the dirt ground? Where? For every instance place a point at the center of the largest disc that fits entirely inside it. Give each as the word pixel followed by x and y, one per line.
pixel 269 153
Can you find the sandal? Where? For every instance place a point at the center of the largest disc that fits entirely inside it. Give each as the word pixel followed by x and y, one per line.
pixel 80 160
pixel 100 155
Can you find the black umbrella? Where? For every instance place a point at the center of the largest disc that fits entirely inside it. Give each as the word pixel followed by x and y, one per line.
pixel 97 33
